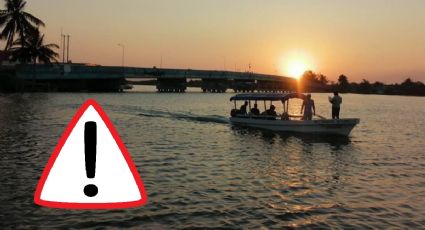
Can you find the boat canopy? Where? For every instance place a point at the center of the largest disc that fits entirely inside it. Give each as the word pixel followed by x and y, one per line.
pixel 267 96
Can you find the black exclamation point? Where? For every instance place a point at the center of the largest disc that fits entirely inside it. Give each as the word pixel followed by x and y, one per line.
pixel 90 141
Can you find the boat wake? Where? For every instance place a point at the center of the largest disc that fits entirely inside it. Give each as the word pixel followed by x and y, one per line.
pixel 187 117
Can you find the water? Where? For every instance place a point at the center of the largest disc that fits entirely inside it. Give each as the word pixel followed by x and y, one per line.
pixel 199 172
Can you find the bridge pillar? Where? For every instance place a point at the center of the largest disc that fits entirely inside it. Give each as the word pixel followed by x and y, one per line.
pixel 171 85
pixel 214 85
pixel 244 86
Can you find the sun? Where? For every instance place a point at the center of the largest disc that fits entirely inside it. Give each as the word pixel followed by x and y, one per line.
pixel 296 68
pixel 295 63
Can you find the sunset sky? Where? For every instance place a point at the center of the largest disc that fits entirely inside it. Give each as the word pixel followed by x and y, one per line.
pixel 378 40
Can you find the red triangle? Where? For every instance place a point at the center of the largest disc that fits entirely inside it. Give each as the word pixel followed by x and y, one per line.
pixel 57 150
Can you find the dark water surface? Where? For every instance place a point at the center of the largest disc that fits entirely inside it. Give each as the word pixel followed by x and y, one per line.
pixel 201 172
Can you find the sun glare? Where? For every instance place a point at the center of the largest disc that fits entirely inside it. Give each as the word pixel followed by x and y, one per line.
pixel 294 64
pixel 296 68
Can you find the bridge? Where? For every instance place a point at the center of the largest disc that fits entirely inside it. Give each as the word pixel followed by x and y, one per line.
pixel 74 77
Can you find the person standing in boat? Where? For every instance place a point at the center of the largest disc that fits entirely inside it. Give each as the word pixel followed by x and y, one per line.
pixel 336 102
pixel 308 108
pixel 242 110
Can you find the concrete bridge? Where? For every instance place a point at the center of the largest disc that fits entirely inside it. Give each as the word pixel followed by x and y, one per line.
pixel 74 77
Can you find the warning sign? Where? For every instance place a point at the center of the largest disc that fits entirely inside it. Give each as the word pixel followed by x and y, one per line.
pixel 90 168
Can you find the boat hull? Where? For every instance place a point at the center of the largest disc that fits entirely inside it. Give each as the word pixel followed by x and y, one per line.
pixel 341 127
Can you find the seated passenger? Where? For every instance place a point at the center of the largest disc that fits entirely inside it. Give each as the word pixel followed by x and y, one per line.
pixel 242 110
pixel 271 111
pixel 255 111
pixel 234 112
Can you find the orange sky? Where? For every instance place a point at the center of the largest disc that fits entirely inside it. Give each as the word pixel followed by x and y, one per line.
pixel 378 40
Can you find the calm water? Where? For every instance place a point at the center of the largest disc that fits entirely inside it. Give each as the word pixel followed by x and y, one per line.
pixel 199 172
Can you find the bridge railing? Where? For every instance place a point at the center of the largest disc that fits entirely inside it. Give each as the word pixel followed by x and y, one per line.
pixel 77 71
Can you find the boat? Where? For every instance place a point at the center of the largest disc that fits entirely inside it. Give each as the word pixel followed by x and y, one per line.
pixel 286 122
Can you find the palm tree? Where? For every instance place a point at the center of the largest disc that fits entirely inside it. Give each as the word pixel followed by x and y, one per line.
pixel 16 21
pixel 33 50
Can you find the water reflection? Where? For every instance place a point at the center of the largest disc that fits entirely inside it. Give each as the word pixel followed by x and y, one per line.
pixel 305 173
pixel 269 136
pixel 200 172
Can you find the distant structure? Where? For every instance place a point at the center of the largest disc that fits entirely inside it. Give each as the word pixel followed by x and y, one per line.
pixel 85 77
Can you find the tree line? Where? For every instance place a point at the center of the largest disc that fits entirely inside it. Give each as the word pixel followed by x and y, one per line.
pixel 21 31
pixel 316 82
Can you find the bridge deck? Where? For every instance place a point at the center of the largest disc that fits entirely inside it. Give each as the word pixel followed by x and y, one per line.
pixel 77 72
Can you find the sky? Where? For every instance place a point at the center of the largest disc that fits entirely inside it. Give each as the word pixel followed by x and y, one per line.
pixel 379 40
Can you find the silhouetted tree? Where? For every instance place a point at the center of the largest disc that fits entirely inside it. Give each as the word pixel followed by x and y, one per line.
pixel 378 87
pixel 308 80
pixel 33 50
pixel 308 76
pixel 364 86
pixel 409 87
pixel 343 84
pixel 16 21
pixel 323 80
pixel 407 83
pixel 314 82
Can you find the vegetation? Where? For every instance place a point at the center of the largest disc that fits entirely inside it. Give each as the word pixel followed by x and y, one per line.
pixel 27 46
pixel 33 50
pixel 313 82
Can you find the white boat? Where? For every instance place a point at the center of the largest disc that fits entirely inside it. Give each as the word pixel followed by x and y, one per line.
pixel 287 122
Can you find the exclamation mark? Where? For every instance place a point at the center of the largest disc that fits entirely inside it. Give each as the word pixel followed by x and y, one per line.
pixel 90 141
